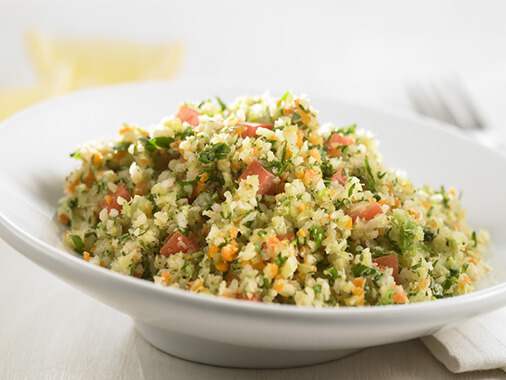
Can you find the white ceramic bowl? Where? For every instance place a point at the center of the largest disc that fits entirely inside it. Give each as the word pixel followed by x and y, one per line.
pixel 34 148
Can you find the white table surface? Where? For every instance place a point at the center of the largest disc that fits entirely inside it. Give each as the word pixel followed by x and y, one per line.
pixel 359 50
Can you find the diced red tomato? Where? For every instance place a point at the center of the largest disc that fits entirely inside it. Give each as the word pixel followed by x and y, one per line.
pixel 389 261
pixel 189 115
pixel 250 129
pixel 178 242
pixel 339 177
pixel 111 200
pixel 365 211
pixel 266 179
pixel 334 143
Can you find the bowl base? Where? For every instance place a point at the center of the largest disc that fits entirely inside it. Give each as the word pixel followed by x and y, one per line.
pixel 228 355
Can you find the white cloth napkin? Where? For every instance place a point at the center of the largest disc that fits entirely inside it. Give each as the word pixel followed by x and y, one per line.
pixel 477 344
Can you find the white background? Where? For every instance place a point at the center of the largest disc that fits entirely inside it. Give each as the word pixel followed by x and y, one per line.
pixel 357 49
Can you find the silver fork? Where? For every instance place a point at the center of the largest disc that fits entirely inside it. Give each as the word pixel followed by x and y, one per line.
pixel 449 101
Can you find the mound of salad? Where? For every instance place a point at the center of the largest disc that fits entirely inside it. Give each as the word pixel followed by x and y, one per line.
pixel 255 200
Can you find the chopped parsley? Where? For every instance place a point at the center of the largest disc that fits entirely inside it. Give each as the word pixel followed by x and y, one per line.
pixel 73 203
pixel 296 118
pixel 280 260
pixel 76 155
pixel 161 142
pixel 331 273
pixel 327 169
pixel 446 199
pixel 78 243
pixel 222 104
pixel 474 239
pixel 370 180
pixel 350 190
pixel 405 232
pixel 214 152
pixel 184 134
pixel 348 130
pixel 317 234
pixel 428 236
pixel 359 270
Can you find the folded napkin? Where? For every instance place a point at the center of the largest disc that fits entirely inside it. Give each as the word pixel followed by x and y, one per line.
pixel 477 344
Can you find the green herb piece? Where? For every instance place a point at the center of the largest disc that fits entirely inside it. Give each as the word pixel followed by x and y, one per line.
pixel 474 239
pixel 360 270
pixel 76 155
pixel 446 199
pixel 380 175
pixel 350 190
pixel 222 104
pixel 214 152
pixel 348 130
pixel 317 234
pixel 278 167
pixel 327 169
pixel 72 203
pixel 280 260
pixel 161 142
pixel 317 288
pixel 428 236
pixel 296 118
pixel 331 273
pixel 184 134
pixel 404 232
pixel 451 279
pixel 285 96
pixel 78 243
pixel 370 180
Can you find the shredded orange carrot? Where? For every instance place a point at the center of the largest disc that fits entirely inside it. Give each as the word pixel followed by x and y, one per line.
pixel 166 277
pixel 71 188
pixel 278 286
pixel 271 270
pixel 315 139
pixel 315 154
pixel 201 184
pixel 222 266
pixel 359 282
pixel 400 297
pixel 233 232
pixel 258 265
pixel 63 219
pixel 300 138
pixel 89 179
pixel 229 251
pixel 97 160
pixel 212 250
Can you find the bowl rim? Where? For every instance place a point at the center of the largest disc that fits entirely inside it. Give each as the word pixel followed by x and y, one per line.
pixel 13 233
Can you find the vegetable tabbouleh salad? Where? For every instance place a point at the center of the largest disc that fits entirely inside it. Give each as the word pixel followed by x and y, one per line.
pixel 254 200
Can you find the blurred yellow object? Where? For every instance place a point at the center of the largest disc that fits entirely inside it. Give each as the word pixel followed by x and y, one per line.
pixel 14 99
pixel 64 64
pixel 75 63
